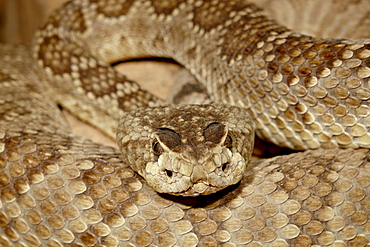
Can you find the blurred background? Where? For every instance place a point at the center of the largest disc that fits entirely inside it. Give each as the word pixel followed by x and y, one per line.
pixel 20 18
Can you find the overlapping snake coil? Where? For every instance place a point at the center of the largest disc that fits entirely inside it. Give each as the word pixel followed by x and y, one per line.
pixel 57 189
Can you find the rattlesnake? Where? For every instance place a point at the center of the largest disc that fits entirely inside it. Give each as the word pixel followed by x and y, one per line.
pixel 59 189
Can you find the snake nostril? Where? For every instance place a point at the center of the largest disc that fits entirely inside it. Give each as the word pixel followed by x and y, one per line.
pixel 169 173
pixel 224 166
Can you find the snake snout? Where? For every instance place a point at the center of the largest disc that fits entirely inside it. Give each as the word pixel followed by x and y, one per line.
pixel 199 175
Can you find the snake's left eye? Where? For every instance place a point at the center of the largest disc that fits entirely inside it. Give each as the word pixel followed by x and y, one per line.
pixel 228 142
pixel 157 148
pixel 218 134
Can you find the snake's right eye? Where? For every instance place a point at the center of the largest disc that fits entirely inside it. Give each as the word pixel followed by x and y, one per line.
pixel 166 139
pixel 157 148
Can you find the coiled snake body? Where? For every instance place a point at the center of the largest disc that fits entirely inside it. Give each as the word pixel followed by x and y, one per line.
pixel 301 92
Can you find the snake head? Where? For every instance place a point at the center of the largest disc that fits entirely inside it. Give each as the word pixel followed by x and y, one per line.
pixel 187 150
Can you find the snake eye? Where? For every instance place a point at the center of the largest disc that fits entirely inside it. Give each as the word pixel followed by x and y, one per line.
pixel 228 142
pixel 157 148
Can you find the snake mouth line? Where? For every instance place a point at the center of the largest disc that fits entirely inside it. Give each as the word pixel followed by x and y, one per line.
pixel 209 189
pixel 202 200
pixel 200 187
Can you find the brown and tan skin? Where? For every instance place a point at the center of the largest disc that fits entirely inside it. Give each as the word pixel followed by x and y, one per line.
pixel 193 150
pixel 57 189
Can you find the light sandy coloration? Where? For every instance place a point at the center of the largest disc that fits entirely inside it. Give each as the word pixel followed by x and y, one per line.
pixel 187 150
pixel 58 189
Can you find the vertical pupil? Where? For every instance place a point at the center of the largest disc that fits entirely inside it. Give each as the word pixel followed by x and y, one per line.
pixel 228 142
pixel 157 149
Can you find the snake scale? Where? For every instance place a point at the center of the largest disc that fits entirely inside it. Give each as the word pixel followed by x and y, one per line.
pixel 58 189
